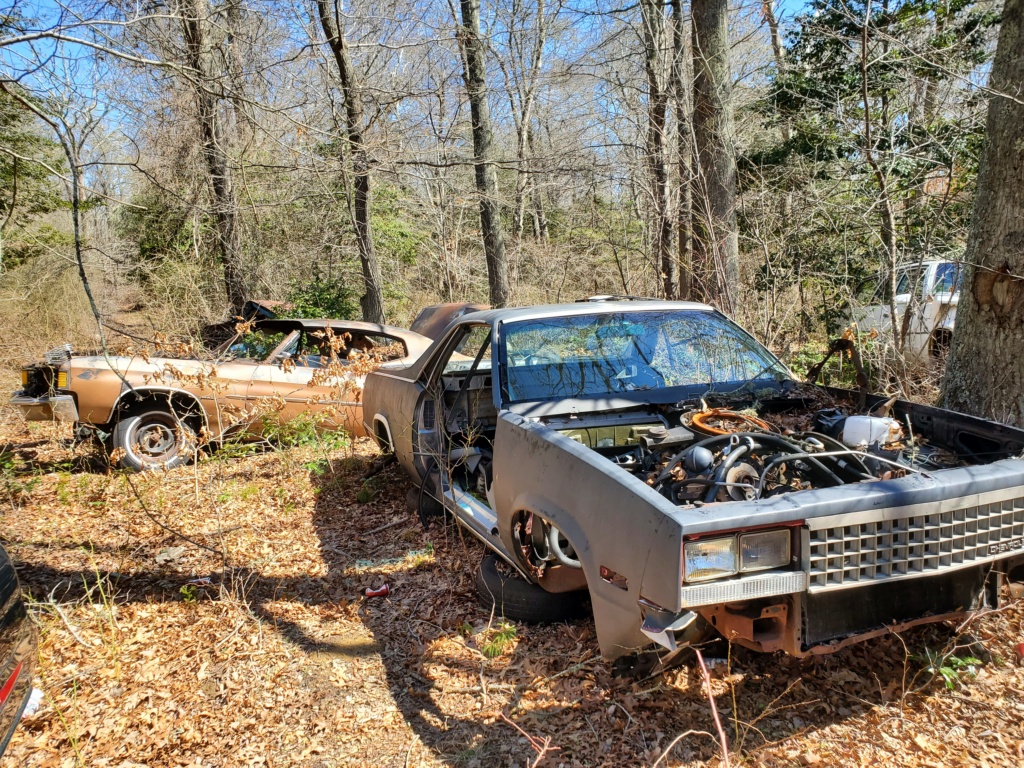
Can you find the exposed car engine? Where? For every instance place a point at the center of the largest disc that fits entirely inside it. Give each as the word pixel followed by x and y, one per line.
pixel 719 455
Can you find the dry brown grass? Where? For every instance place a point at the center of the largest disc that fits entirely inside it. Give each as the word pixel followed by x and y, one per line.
pixel 279 660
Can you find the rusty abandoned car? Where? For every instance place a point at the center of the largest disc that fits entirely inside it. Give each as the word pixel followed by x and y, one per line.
pixel 654 458
pixel 151 412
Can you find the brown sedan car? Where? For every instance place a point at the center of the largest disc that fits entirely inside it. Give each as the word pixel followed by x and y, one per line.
pixel 152 412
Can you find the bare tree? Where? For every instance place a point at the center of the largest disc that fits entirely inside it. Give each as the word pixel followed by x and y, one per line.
pixel 681 85
pixel 716 238
pixel 655 45
pixel 475 72
pixel 373 296
pixel 195 18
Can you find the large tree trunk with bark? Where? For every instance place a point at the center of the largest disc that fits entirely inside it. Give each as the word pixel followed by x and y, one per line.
pixel 474 69
pixel 373 284
pixel 985 374
pixel 218 165
pixel 716 239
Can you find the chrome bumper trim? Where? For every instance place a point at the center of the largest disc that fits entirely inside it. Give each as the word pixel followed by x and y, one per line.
pixel 46 408
pixel 745 588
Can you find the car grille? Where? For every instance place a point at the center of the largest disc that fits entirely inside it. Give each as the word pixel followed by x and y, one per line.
pixel 915 545
pixel 58 355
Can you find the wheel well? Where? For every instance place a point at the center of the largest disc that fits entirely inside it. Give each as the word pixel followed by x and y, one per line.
pixel 940 341
pixel 181 404
pixel 383 434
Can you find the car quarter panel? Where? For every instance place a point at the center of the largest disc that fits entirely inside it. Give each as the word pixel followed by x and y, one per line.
pixel 391 393
pixel 612 520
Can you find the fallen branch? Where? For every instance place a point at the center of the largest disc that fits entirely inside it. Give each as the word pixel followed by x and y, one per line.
pixel 714 709
pixel 566 671
pixel 67 623
pixel 384 527
pixel 379 465
pixel 538 746
pixel 676 740
pixel 179 534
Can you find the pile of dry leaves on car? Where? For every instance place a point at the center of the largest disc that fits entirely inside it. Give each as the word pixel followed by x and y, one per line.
pixel 216 615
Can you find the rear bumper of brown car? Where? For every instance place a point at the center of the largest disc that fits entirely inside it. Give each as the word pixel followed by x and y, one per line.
pixel 46 408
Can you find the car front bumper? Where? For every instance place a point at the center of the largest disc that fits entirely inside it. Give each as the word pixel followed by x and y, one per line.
pixel 46 408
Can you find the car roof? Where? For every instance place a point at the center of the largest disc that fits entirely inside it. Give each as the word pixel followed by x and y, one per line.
pixel 516 314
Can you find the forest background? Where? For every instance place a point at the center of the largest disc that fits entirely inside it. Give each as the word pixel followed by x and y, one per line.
pixel 761 157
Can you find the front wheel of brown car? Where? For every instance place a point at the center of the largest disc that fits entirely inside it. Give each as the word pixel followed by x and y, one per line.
pixel 152 439
pixel 511 596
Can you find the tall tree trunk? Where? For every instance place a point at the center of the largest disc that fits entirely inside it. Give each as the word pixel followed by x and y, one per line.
pixel 225 199
pixel 523 114
pixel 235 61
pixel 540 217
pixel 680 86
pixel 653 23
pixel 768 11
pixel 716 239
pixel 474 70
pixel 986 368
pixel 888 228
pixel 373 284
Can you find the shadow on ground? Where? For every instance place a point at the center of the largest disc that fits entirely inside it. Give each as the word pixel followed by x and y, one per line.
pixel 550 682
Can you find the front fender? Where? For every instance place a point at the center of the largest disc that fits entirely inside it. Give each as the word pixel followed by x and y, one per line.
pixel 613 521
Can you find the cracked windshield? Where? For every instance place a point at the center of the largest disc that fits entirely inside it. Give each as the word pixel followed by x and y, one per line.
pixel 595 355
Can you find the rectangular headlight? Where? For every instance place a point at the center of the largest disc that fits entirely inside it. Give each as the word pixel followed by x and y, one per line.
pixel 709 559
pixel 24 377
pixel 62 379
pixel 761 551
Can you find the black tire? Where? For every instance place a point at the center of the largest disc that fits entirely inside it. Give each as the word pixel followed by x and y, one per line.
pixel 152 438
pixel 517 599
pixel 426 503
pixel 939 346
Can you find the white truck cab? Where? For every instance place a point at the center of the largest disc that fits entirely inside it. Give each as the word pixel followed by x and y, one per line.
pixel 929 289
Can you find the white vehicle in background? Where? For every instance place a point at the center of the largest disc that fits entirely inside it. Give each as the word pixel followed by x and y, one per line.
pixel 929 290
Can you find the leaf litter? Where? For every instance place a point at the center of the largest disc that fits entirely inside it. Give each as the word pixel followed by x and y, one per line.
pixel 215 616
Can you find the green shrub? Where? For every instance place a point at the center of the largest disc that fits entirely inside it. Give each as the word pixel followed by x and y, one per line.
pixel 319 297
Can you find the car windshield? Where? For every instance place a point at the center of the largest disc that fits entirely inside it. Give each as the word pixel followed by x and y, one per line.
pixel 586 356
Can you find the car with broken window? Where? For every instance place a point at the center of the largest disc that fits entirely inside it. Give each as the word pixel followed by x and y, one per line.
pixel 654 460
pixel 153 412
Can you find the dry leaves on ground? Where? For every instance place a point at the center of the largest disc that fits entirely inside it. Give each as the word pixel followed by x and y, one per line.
pixel 246 640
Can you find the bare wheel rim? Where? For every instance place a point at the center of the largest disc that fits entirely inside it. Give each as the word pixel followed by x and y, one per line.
pixel 155 438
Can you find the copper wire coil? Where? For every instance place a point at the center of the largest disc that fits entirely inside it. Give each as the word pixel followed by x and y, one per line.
pixel 729 422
